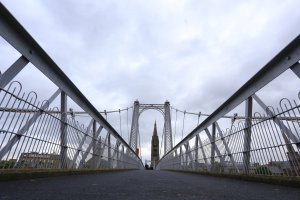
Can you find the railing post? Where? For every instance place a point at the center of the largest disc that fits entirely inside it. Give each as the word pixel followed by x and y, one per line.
pixel 122 157
pixel 118 154
pixel 63 131
pixel 186 155
pixel 180 156
pixel 247 134
pixel 94 142
pixel 296 69
pixel 213 147
pixel 109 151
pixel 196 152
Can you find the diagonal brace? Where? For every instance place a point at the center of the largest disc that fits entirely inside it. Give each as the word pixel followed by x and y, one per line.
pixel 81 143
pixel 12 71
pixel 89 147
pixel 216 149
pixel 226 147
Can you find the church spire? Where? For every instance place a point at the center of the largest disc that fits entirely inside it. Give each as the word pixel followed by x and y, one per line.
pixel 154 147
pixel 155 130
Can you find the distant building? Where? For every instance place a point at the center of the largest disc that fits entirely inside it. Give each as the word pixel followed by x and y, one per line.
pixel 278 168
pixel 37 160
pixel 284 168
pixel 154 148
pixel 293 157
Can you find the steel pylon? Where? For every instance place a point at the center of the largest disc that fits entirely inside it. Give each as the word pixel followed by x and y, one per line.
pixel 165 110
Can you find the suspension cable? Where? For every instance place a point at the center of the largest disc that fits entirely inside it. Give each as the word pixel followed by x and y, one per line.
pixel 175 126
pixel 161 143
pixel 114 111
pixel 102 112
pixel 183 125
pixel 120 123
pixel 127 126
pixel 203 114
pixel 140 149
pixel 199 115
pixel 105 113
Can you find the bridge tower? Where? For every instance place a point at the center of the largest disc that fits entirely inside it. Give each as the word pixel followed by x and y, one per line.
pixel 134 132
pixel 165 110
pixel 167 128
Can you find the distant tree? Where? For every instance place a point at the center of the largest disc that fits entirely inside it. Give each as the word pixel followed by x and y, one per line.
pixel 7 164
pixel 264 170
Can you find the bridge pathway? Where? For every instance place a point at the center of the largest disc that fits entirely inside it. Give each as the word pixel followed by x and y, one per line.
pixel 143 185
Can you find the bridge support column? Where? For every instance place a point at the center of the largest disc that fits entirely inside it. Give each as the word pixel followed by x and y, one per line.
pixel 63 131
pixel 133 141
pixel 247 135
pixel 168 129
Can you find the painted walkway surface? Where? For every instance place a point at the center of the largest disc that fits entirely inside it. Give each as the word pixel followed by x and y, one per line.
pixel 143 185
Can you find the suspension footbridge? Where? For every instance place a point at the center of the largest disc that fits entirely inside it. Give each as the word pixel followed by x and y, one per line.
pixel 243 136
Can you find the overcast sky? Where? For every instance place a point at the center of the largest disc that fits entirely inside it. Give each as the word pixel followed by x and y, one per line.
pixel 195 54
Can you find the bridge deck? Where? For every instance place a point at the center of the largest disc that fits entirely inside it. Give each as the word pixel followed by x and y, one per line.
pixel 143 185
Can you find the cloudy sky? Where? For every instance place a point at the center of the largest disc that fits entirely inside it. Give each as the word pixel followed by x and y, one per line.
pixel 195 54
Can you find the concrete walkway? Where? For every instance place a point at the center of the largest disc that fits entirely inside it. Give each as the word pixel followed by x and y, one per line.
pixel 143 185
